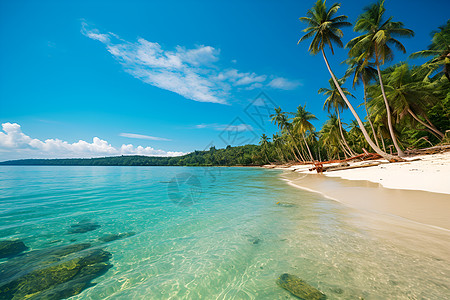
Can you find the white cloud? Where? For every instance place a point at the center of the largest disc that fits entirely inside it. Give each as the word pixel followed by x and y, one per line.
pixel 284 84
pixel 15 144
pixel 191 73
pixel 143 137
pixel 221 127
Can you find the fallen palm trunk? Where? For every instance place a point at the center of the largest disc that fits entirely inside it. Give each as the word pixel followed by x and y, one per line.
pixel 318 166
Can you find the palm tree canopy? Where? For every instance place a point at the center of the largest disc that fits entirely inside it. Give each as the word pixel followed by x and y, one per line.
pixel 378 39
pixel 323 26
pixel 439 50
pixel 264 141
pixel 302 118
pixel 334 100
pixel 361 71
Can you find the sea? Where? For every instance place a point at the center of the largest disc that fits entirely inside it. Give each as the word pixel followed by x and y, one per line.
pixel 210 233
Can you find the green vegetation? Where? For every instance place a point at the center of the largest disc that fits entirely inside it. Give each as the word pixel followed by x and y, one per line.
pixel 230 156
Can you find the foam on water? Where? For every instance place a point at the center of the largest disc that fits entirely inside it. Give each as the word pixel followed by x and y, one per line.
pixel 212 233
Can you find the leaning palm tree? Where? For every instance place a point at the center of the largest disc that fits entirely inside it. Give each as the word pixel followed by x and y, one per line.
pixel 439 50
pixel 302 124
pixel 376 43
pixel 411 96
pixel 325 30
pixel 281 120
pixel 335 102
pixel 364 73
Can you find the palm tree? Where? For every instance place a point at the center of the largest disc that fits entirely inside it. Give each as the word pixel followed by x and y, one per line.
pixel 278 144
pixel 410 95
pixel 326 31
pixel 365 74
pixel 302 124
pixel 264 142
pixel 335 102
pixel 439 50
pixel 376 43
pixel 281 120
pixel 329 137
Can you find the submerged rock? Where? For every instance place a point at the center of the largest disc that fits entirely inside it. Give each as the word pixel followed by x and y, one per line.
pixel 116 236
pixel 11 248
pixel 55 273
pixel 299 288
pixel 255 241
pixel 83 226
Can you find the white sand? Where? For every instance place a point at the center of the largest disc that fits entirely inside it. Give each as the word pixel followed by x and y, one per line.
pixel 431 173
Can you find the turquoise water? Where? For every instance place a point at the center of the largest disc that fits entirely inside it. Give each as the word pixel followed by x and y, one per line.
pixel 212 233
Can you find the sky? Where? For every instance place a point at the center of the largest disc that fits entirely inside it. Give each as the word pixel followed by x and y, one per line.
pixel 164 78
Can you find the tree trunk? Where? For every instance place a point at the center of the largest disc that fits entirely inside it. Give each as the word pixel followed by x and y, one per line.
pixel 389 116
pixel 389 157
pixel 343 136
pixel 296 148
pixel 309 151
pixel 368 115
pixel 429 125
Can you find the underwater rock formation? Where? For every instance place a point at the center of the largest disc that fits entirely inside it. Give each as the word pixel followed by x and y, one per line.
pixel 299 288
pixel 55 273
pixel 11 248
pixel 83 226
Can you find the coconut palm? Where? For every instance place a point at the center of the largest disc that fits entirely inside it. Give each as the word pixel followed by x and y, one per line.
pixel 364 73
pixel 334 102
pixel 281 120
pixel 302 124
pixel 329 137
pixel 410 96
pixel 264 142
pixel 376 43
pixel 325 29
pixel 439 50
pixel 277 141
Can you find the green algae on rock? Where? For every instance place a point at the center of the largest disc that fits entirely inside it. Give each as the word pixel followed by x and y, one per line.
pixel 55 273
pixel 11 248
pixel 299 288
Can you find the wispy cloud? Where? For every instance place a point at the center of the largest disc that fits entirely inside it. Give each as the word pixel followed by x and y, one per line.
pixel 284 84
pixel 143 137
pixel 224 127
pixel 16 144
pixel 191 73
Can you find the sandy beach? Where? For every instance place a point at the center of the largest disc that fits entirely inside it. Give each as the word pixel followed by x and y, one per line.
pixel 417 189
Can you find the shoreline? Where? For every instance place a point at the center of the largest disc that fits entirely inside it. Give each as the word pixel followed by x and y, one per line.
pixel 430 173
pixel 365 196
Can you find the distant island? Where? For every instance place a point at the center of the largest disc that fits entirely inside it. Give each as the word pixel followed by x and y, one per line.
pixel 248 155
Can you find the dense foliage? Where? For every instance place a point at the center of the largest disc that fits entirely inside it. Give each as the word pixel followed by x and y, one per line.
pixel 230 156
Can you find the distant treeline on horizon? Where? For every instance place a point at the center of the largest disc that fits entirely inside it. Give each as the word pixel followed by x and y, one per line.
pixel 248 155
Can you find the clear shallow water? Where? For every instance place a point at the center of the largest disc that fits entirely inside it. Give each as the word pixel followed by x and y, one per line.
pixel 212 233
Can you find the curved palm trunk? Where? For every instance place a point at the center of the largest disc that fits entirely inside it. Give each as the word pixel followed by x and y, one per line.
pixel 295 155
pixel 309 151
pixel 389 157
pixel 368 115
pixel 296 148
pixel 343 136
pixel 388 112
pixel 429 126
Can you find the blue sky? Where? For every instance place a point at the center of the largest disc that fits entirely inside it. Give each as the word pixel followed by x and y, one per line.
pixel 99 78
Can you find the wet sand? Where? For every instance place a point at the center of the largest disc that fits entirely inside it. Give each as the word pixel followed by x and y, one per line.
pixel 417 219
